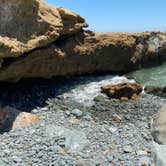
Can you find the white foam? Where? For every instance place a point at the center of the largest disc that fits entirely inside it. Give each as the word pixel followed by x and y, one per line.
pixel 85 93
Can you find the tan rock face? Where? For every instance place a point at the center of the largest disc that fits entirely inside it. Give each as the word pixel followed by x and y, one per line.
pixel 122 91
pixel 83 52
pixel 30 24
pixel 37 40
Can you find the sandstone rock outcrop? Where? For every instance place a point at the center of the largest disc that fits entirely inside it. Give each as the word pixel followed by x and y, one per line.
pixel 43 41
pixel 30 24
pixel 122 91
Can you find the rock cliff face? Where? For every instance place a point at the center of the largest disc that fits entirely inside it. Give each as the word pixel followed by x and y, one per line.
pixel 30 24
pixel 43 41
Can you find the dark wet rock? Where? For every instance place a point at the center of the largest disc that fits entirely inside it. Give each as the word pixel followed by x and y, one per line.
pixel 155 90
pixel 159 126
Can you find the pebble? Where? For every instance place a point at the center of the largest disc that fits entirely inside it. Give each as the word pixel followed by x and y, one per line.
pixel 78 113
pixel 117 119
pixel 127 149
pixel 141 152
pixel 112 129
pixel 110 158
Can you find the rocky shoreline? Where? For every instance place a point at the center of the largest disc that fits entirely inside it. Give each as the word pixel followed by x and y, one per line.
pixel 77 125
pixel 71 133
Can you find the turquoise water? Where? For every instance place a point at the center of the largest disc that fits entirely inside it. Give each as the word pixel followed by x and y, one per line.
pixel 155 76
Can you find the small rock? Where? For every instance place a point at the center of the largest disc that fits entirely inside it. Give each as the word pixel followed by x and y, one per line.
pixel 77 113
pixel 16 159
pixel 127 117
pixel 141 152
pixel 99 98
pixel 110 158
pixel 127 149
pixel 112 129
pixel 116 118
pixel 35 111
pixel 124 99
pixel 44 109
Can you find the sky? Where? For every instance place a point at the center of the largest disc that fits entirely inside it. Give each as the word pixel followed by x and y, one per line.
pixel 119 15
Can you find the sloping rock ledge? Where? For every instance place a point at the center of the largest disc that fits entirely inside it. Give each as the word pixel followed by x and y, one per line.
pixel 43 41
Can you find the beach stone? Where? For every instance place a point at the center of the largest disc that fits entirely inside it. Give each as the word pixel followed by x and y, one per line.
pixel 141 152
pixel 78 113
pixel 110 158
pixel 122 91
pixel 127 149
pixel 117 118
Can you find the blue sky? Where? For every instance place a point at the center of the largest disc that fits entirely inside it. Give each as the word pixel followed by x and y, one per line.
pixel 119 15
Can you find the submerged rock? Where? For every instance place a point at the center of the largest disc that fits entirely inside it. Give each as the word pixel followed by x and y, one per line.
pixel 123 91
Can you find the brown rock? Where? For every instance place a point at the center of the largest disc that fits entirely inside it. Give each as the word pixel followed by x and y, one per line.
pixel 43 41
pixel 134 96
pixel 124 99
pixel 117 120
pixel 11 118
pixel 122 91
pixel 81 53
pixel 30 24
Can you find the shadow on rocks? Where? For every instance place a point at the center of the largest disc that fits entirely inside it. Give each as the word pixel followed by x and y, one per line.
pixel 30 93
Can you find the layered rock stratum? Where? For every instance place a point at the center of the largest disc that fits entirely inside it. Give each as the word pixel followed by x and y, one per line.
pixel 38 40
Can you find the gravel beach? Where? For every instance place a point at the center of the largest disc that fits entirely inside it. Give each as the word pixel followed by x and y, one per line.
pixel 70 133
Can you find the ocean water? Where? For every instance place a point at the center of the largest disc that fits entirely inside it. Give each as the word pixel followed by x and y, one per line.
pixel 86 92
pixel 155 76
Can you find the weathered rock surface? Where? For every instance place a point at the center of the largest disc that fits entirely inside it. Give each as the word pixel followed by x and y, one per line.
pixel 43 41
pixel 27 25
pixel 122 91
pixel 158 130
pixel 159 126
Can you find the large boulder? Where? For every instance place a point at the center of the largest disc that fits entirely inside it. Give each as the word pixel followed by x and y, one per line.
pixel 158 130
pixel 37 40
pixel 122 90
pixel 158 126
pixel 30 24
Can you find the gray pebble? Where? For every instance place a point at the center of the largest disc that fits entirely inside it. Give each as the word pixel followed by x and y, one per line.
pixel 127 149
pixel 77 113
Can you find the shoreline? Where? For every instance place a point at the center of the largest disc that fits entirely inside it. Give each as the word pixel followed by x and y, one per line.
pixel 101 140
